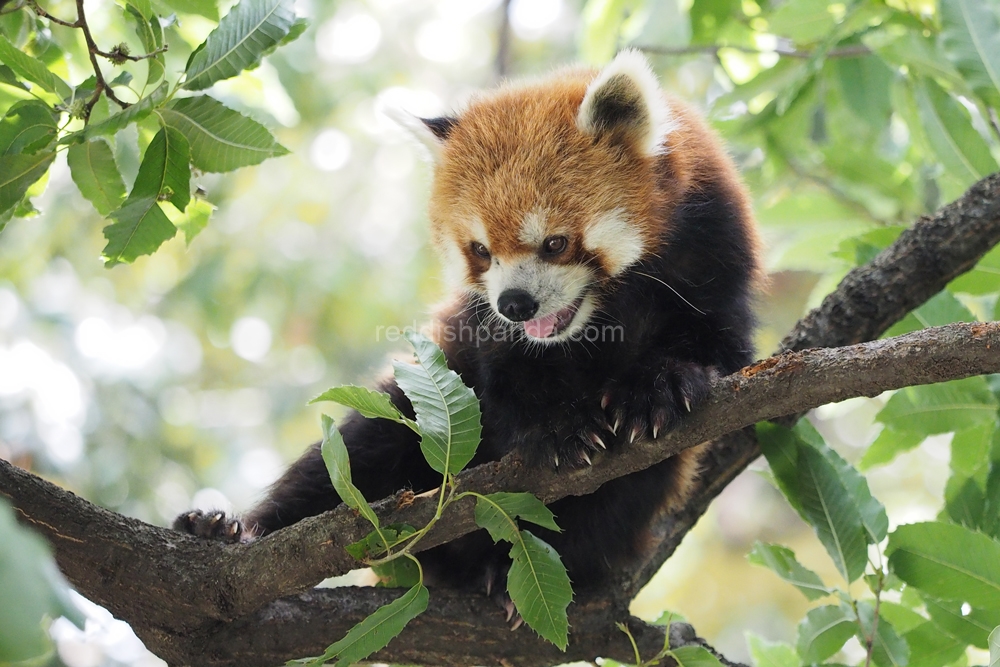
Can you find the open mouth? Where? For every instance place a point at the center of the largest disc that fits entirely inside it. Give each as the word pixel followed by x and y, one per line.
pixel 552 324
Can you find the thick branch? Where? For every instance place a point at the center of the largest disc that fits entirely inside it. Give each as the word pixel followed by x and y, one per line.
pixel 117 561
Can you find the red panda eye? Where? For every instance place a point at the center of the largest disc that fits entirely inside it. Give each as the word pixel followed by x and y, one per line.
pixel 554 245
pixel 480 250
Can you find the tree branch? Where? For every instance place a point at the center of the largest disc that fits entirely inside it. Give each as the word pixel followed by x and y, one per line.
pixel 186 598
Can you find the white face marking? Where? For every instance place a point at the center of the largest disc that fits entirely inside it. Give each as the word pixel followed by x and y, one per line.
pixel 478 231
pixel 611 236
pixel 533 229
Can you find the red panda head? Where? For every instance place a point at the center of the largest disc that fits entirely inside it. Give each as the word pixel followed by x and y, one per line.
pixel 544 192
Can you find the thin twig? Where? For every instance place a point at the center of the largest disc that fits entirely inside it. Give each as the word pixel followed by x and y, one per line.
pixel 502 64
pixel 45 15
pixel 785 52
pixel 113 57
pixel 100 85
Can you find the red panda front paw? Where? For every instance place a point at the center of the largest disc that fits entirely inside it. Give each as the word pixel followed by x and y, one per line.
pixel 496 590
pixel 653 400
pixel 576 443
pixel 213 525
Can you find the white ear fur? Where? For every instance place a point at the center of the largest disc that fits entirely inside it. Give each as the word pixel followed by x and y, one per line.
pixel 418 129
pixel 626 96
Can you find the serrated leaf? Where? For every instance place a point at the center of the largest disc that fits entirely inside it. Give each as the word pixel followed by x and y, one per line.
pixel 940 408
pixel 150 34
pixel 164 172
pixel 397 573
pixel 888 648
pixel 828 507
pixel 887 446
pixel 93 168
pixel 970 35
pixel 339 466
pixel 367 402
pixel 221 139
pixel 32 69
pixel 972 628
pixel 930 647
pixel 298 27
pixel 771 654
pixel 984 278
pixel 17 174
pixel 540 588
pixel 250 28
pixel 783 563
pixel 447 411
pixel 194 219
pixel 375 632
pixel 947 561
pixel 962 151
pixel 496 513
pixel 9 77
pixel 141 228
pixel 943 308
pixel 823 632
pixel 27 127
pixel 694 656
pixel 120 121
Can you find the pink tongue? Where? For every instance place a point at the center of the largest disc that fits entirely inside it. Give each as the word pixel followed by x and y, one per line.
pixel 542 327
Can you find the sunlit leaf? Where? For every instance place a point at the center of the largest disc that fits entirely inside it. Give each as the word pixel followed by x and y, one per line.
pixel 995 647
pixel 972 628
pixel 694 656
pixel 120 121
pixel 397 573
pixel 141 227
pixel 194 219
pixel 18 172
pixel 888 445
pixel 249 29
pixel 27 127
pixel 495 511
pixel 92 166
pixel 375 632
pixel 339 466
pixel 947 561
pixel 207 8
pixel 150 34
pixel 782 562
pixel 32 69
pixel 602 23
pixel 824 631
pixel 771 654
pixel 940 408
pixel 367 402
pixel 221 139
pixel 447 411
pixel 970 34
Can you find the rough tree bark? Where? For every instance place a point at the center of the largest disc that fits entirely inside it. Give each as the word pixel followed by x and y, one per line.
pixel 202 603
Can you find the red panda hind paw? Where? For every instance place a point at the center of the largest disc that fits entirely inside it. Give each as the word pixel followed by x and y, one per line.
pixel 654 400
pixel 212 525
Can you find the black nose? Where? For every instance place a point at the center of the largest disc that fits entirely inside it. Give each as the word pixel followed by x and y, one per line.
pixel 517 305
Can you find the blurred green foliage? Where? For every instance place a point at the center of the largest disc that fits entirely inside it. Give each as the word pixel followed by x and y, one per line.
pixel 183 376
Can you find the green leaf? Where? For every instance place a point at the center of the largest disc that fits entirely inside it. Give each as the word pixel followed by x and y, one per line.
pixel 164 172
pixel 207 8
pixel 339 466
pixel 962 151
pixel 984 278
pixel 602 27
pixel 150 34
pixel 31 588
pixel 947 561
pixel 888 648
pixel 221 139
pixel 375 632
pixel 970 35
pixel 141 228
pixel 250 28
pixel 120 121
pixel 887 446
pixel 694 656
pixel 972 628
pixel 782 562
pixel 771 654
pixel 803 22
pixel 194 219
pixel 930 647
pixel 865 84
pixel 943 308
pixel 32 69
pixel 995 647
pixel 447 411
pixel 8 77
pixel 828 507
pixel 903 618
pixel 538 585
pixel 495 512
pixel 397 573
pixel 28 126
pixel 17 174
pixel 367 402
pixel 92 166
pixel 823 632
pixel 940 408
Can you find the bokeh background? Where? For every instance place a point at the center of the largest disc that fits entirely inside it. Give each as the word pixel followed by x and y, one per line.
pixel 182 380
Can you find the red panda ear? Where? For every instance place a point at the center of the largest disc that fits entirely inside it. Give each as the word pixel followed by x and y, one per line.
pixel 625 100
pixel 431 132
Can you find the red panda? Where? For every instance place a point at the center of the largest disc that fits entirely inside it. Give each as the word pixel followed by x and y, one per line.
pixel 604 255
